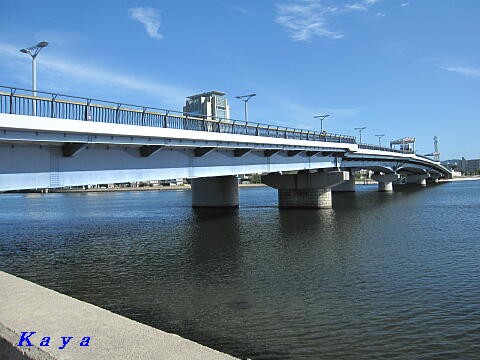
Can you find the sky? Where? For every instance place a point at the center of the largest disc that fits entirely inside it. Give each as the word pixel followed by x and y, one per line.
pixel 398 67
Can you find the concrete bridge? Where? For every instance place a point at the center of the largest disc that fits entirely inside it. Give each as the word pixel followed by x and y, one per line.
pixel 75 141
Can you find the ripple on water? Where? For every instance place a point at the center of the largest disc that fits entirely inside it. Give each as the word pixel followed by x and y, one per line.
pixel 378 276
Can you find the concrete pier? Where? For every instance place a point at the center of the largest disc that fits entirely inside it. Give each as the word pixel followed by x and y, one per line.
pixel 219 192
pixel 28 307
pixel 418 179
pixel 385 181
pixel 305 190
pixel 305 198
pixel 346 186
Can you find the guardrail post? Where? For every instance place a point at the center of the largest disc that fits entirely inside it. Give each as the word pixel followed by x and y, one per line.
pixel 256 130
pixel 12 93
pixel 165 119
pixel 118 113
pixel 52 109
pixel 142 120
pixel 87 105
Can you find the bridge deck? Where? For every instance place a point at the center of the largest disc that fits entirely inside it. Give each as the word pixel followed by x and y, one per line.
pixel 126 144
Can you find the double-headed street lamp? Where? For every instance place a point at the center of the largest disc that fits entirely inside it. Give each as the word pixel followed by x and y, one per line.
pixel 360 129
pixel 321 118
pixel 380 139
pixel 33 52
pixel 245 99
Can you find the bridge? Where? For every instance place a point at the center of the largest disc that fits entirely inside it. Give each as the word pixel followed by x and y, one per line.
pixel 53 140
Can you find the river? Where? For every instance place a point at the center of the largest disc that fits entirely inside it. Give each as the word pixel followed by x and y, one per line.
pixel 381 275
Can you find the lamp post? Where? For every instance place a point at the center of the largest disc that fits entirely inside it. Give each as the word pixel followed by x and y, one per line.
pixel 321 118
pixel 380 139
pixel 245 99
pixel 360 129
pixel 33 52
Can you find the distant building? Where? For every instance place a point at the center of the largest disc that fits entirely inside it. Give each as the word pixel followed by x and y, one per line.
pixel 452 163
pixel 211 105
pixel 469 166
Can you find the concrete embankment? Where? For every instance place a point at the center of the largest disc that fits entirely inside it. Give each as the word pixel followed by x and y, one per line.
pixel 27 307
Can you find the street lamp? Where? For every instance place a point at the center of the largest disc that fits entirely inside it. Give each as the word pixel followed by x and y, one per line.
pixel 245 99
pixel 360 129
pixel 380 139
pixel 33 52
pixel 321 118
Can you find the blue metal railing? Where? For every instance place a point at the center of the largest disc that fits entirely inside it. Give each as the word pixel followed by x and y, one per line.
pixel 21 102
pixel 425 157
pixel 383 148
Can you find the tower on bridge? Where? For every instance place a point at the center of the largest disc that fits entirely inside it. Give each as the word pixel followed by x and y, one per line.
pixel 211 105
pixel 406 144
pixel 436 153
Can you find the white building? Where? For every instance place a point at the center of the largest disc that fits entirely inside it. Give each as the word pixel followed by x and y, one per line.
pixel 211 105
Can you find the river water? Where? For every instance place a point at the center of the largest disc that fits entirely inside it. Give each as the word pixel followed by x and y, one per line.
pixel 379 276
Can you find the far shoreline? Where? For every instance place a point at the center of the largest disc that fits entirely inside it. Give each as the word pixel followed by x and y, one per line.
pixel 143 188
pixel 461 178
pixel 188 187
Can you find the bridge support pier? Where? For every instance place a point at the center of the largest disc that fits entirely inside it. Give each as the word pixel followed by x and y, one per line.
pixel 218 192
pixel 385 181
pixel 418 179
pixel 346 186
pixel 305 190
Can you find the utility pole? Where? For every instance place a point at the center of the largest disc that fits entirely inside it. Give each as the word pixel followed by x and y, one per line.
pixel 33 52
pixel 245 99
pixel 360 129
pixel 321 118
pixel 380 139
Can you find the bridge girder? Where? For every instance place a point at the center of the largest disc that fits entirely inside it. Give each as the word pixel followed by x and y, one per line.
pixel 376 166
pixel 45 152
pixel 412 169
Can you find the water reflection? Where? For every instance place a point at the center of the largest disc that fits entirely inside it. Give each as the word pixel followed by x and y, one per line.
pixel 213 242
pixel 379 275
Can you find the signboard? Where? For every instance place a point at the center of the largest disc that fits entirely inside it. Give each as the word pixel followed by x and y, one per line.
pixel 405 140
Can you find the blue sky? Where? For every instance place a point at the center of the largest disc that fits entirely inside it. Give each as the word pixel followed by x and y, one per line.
pixel 400 68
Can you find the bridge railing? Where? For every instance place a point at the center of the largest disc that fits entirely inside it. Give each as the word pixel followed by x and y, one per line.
pixel 426 157
pixel 21 102
pixel 383 148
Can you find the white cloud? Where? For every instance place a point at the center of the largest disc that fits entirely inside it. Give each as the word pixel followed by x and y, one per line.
pixel 305 19
pixel 380 14
pixel 66 74
pixel 150 18
pixel 466 71
pixel 404 4
pixel 242 10
pixel 356 6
